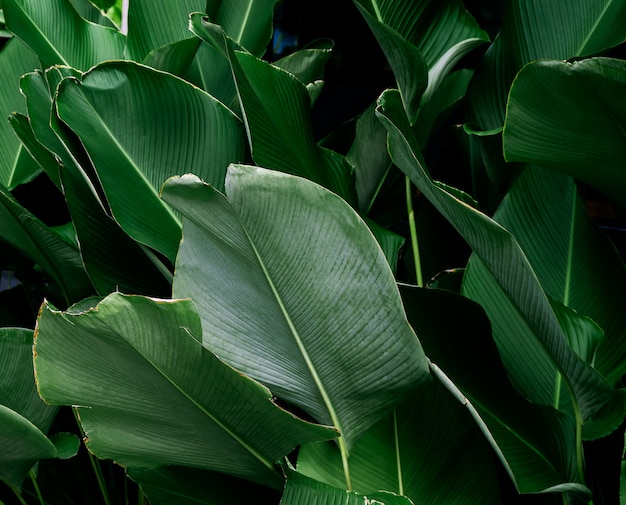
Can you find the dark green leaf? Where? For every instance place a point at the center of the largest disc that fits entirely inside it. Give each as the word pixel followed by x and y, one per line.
pixel 145 387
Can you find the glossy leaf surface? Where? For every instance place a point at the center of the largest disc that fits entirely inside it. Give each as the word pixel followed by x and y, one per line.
pixel 301 489
pixel 424 451
pixel 533 30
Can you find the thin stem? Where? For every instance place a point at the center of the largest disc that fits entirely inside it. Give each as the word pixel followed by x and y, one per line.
pixel 413 229
pixel 344 461
pixel 557 390
pixel 96 468
pixel 141 498
pixel 36 487
pixel 398 461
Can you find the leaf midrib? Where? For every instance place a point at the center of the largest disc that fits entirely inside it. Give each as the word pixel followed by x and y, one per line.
pixel 43 36
pixel 217 421
pixel 296 335
pixel 125 154
pixel 591 32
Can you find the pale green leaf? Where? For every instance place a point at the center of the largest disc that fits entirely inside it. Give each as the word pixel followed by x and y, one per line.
pixel 297 294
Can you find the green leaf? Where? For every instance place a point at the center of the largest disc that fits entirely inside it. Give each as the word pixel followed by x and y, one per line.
pixel 113 261
pixel 66 445
pixel 369 157
pixel 533 30
pixel 247 22
pixel 504 258
pixel 146 395
pixel 175 485
pixel 301 489
pixel 298 295
pixel 166 127
pixel 60 260
pixel 18 391
pixel 153 24
pixel 406 61
pixel 571 117
pixel 92 11
pixel 576 266
pixel 58 35
pixel 308 63
pixel 15 59
pixel 174 58
pixel 425 451
pixel 574 261
pixel 535 443
pixel 441 32
pixel 23 444
pixel 43 158
pixel 276 108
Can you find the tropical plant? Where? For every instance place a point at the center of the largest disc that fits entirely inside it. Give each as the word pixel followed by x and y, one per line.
pixel 412 307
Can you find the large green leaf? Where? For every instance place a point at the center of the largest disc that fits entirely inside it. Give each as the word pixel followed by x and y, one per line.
pixel 533 30
pixel 504 258
pixel 175 485
pixel 425 451
pixel 112 259
pixel 247 22
pixel 58 35
pixel 165 127
pixel 15 59
pixel 571 117
pixel 153 24
pixel 44 246
pixel 301 489
pixel 146 390
pixel 297 294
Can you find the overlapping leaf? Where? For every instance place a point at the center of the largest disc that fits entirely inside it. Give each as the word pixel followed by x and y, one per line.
pixel 297 294
pixel 154 24
pixel 571 117
pixel 419 37
pixel 533 30
pixel 423 451
pixel 112 259
pixel 163 127
pixel 504 258
pixel 147 395
pixel 247 22
pixel 58 258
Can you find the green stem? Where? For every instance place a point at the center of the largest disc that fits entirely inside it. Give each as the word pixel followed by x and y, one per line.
pixel 398 460
pixel 141 498
pixel 96 468
pixel 344 461
pixel 413 229
pixel 36 487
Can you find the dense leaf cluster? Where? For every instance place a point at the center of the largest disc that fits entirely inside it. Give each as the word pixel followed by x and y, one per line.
pixel 417 308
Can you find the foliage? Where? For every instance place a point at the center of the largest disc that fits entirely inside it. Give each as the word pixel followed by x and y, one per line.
pixel 414 306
